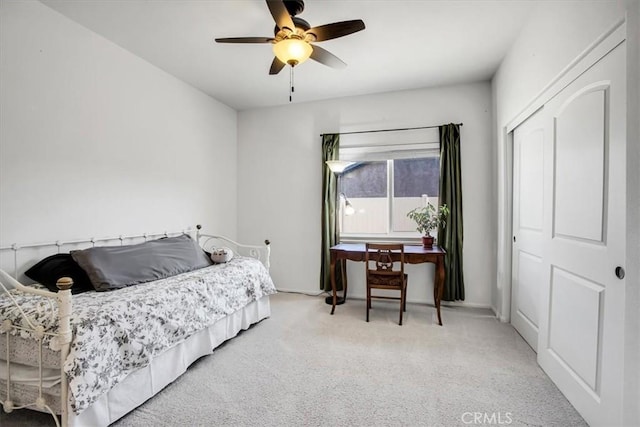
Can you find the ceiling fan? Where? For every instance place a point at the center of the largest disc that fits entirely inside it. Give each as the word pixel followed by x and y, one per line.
pixel 292 42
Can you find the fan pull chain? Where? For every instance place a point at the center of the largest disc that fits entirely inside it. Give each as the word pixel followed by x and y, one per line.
pixel 291 88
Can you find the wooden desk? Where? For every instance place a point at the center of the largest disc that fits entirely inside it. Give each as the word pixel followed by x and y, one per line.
pixel 413 254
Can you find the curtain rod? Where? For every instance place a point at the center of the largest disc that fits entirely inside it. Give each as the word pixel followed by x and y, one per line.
pixel 387 130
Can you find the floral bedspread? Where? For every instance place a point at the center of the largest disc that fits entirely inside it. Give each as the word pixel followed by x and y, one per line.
pixel 117 332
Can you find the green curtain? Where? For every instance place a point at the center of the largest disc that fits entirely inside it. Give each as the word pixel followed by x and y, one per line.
pixel 330 147
pixel 450 238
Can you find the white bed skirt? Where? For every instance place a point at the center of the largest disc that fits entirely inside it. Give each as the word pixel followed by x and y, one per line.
pixel 144 383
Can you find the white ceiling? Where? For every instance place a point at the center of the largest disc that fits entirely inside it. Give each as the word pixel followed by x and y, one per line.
pixel 407 44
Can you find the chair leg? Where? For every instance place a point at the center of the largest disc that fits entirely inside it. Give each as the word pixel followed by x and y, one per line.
pixel 402 304
pixel 368 301
pixel 406 285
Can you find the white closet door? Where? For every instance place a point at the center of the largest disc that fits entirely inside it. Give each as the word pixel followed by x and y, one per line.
pixel 580 343
pixel 528 202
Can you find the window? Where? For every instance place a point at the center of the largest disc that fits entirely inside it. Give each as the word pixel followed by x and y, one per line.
pixel 391 176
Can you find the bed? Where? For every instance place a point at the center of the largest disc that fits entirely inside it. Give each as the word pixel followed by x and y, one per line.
pixel 90 358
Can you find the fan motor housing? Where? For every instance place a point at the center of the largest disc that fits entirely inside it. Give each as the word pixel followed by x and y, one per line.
pixel 298 22
pixel 294 7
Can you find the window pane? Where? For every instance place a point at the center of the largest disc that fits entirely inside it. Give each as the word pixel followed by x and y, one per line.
pixel 413 178
pixel 366 179
pixel 365 186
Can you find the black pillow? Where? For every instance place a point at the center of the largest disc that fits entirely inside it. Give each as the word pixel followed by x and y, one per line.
pixel 50 269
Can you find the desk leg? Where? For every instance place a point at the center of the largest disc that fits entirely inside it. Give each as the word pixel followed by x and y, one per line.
pixel 334 299
pixel 332 273
pixel 343 268
pixel 438 287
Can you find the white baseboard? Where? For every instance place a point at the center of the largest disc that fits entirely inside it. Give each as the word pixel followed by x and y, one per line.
pixel 499 316
pixel 464 304
pixel 410 301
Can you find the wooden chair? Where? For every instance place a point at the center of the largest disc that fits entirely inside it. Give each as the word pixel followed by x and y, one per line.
pixel 382 275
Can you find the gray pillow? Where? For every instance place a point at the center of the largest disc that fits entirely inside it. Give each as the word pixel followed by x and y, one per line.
pixel 114 267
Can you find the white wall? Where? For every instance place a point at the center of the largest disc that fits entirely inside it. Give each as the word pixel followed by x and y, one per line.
pixel 279 180
pixel 557 33
pixel 94 141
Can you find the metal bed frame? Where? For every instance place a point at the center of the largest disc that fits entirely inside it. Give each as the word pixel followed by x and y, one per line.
pixel 63 299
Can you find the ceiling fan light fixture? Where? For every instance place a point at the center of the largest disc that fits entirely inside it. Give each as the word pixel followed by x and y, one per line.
pixel 292 51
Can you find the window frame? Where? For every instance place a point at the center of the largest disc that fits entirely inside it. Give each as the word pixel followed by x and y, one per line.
pixel 388 145
pixel 390 236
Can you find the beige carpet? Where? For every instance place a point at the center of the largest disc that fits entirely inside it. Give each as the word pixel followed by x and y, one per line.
pixel 304 367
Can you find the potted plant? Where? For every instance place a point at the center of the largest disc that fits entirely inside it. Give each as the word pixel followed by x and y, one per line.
pixel 427 219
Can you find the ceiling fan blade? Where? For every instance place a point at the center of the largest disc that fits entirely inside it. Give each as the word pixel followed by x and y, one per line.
pixel 335 30
pixel 245 40
pixel 276 66
pixel 327 58
pixel 280 14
